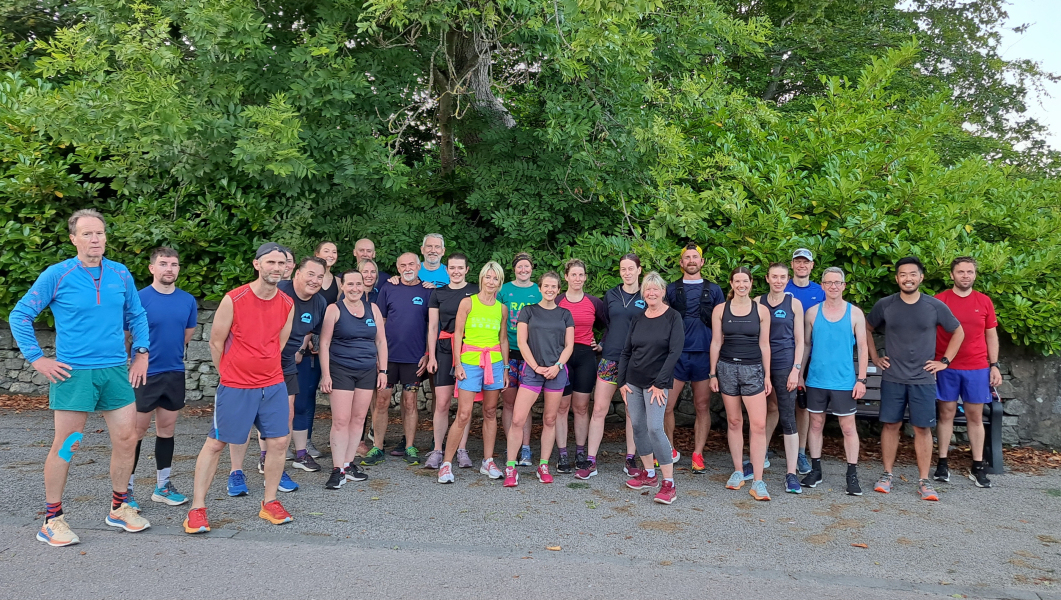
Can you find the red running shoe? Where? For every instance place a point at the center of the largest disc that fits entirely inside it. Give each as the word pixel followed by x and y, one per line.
pixel 642 481
pixel 196 521
pixel 274 513
pixel 666 493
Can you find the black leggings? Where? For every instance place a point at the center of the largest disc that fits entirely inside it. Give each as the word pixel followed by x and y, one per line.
pixel 786 400
pixel 582 370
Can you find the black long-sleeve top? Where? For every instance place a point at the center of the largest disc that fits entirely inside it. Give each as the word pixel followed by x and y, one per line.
pixel 652 348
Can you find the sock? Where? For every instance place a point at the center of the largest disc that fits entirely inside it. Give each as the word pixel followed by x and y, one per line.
pixel 852 468
pixel 117 498
pixel 629 457
pixel 580 449
pixel 671 480
pixel 163 459
pixel 524 448
pixel 346 466
pixel 816 464
pixel 543 462
pixel 592 459
pixel 978 465
pixel 510 463
pixel 300 454
pixel 263 456
pixel 563 452
pixel 136 460
pixel 943 462
pixel 131 478
pixel 650 473
pixel 53 509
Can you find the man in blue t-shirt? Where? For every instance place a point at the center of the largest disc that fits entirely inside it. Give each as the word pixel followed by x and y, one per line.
pixel 404 310
pixel 171 319
pixel 694 298
pixel 432 271
pixel 809 294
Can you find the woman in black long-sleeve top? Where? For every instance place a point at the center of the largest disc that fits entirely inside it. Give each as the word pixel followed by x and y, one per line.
pixel 646 376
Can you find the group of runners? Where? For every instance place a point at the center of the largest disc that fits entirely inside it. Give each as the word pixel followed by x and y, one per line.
pixel 790 356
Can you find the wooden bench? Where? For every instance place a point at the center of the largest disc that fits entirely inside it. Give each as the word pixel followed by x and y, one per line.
pixel 869 410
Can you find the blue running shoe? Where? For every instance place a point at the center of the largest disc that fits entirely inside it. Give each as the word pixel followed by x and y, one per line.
pixel 168 495
pixel 524 457
pixel 237 484
pixel 132 503
pixel 287 484
pixel 792 485
pixel 802 464
pixel 749 472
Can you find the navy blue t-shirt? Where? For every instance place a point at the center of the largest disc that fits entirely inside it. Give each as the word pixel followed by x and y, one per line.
pixel 405 309
pixel 309 316
pixel 697 334
pixel 168 316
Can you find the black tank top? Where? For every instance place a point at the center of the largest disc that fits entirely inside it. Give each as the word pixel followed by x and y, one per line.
pixel 354 339
pixel 740 336
pixel 782 333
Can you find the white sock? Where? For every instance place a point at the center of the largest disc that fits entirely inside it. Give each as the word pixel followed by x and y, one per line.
pixel 131 477
pixel 162 477
pixel 651 473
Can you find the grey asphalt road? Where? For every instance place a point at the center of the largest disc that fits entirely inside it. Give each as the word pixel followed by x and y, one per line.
pixel 400 534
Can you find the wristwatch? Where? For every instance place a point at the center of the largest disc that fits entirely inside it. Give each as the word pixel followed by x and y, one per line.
pixel 140 350
pixel 945 360
pixel 994 364
pixel 383 371
pixel 862 381
pixel 711 375
pixel 797 367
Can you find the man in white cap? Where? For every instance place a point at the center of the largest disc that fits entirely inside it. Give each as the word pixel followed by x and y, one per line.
pixel 809 294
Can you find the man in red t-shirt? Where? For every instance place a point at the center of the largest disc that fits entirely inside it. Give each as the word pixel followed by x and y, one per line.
pixel 250 328
pixel 973 371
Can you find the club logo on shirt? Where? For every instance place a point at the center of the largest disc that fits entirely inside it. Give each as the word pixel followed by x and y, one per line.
pixel 306 318
pixel 418 301
pixel 780 313
pixel 640 303
pixel 370 322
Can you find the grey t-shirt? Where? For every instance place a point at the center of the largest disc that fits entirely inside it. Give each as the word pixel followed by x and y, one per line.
pixel 546 331
pixel 910 335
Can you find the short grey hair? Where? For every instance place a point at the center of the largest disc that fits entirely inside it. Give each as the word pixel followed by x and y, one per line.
pixel 653 279
pixel 437 236
pixel 84 213
pixel 836 270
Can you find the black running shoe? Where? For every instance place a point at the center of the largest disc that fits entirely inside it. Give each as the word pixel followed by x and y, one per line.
pixel 812 479
pixel 853 488
pixel 581 462
pixel 399 450
pixel 563 464
pixel 353 473
pixel 336 480
pixel 942 473
pixel 979 477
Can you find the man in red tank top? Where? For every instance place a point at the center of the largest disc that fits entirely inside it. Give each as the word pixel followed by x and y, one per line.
pixel 250 328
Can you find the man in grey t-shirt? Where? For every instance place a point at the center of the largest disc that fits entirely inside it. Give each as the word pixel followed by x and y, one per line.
pixel 910 319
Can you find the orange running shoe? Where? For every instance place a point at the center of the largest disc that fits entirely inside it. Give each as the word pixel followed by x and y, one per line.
pixel 274 513
pixel 698 464
pixel 196 521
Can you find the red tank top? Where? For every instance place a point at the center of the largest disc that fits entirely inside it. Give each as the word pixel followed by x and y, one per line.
pixel 584 313
pixel 252 351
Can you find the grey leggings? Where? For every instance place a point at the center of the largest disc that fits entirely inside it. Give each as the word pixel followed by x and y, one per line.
pixel 786 400
pixel 647 420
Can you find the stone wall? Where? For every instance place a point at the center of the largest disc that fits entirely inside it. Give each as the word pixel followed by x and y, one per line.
pixel 1031 385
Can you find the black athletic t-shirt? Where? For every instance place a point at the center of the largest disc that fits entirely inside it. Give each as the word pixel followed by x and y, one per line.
pixel 546 332
pixel 622 309
pixel 447 300
pixel 309 315
pixel 651 350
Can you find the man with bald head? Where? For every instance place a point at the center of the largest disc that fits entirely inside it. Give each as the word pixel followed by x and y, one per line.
pixel 365 249
pixel 403 307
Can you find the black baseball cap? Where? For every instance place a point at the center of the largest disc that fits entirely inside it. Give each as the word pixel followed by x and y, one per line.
pixel 268 247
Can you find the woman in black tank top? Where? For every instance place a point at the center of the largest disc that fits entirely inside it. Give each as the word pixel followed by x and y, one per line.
pixel 740 360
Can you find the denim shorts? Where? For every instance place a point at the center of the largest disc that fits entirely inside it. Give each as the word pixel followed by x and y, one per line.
pixel 741 380
pixel 474 376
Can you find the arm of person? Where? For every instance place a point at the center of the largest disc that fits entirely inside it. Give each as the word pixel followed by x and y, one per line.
pixel 382 356
pixel 503 334
pixel 193 320
pixel 858 320
pixel 463 311
pixel 624 361
pixel 876 315
pixel 956 339
pixel 764 344
pixel 991 336
pixel 797 332
pixel 676 338
pixel 331 315
pixel 136 317
pixel 716 344
pixel 21 321
pixel 808 336
pixel 285 333
pixel 600 320
pixel 219 331
pixel 432 339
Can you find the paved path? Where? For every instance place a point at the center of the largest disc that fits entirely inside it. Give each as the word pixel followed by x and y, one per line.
pixel 400 534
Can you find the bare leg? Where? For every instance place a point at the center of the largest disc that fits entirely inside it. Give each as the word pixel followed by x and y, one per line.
pixel 380 415
pixel 702 404
pixel 362 402
pixel 814 435
pixel 756 407
pixel 205 469
pixel 339 438
pixel 55 468
pixel 847 425
pixel 443 402
pixel 772 416
pixel 550 422
pixel 410 415
pixel 889 444
pixel 274 464
pixel 602 401
pixel 521 408
pixel 974 421
pixel 631 448
pixel 580 406
pixel 945 425
pixel 561 421
pixel 735 430
pixel 237 453
pixel 121 425
pixel 465 400
pixel 489 422
pixel 923 448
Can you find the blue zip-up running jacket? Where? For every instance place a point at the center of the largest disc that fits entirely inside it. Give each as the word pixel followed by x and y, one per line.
pixel 92 307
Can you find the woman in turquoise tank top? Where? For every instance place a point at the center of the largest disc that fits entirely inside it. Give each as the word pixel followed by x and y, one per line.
pixel 480 339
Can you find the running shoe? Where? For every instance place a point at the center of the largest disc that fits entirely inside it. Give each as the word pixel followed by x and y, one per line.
pixel 924 489
pixel 237 484
pixel 286 484
pixel 588 470
pixel 290 454
pixel 196 521
pixel 580 460
pixel 353 473
pixel 792 485
pixel 942 473
pixel 168 494
pixel 374 457
pixel 543 474
pixel 312 450
pixel 524 457
pixel 55 532
pixel 884 484
pixel 274 513
pixel 853 488
pixel 642 481
pixel 979 477
pixel 489 468
pixel 813 478
pixel 434 459
pixel 631 467
pixel 261 464
pixel 511 477
pixel 563 464
pixel 698 464
pixel 131 501
pixel 336 479
pixel 412 455
pixel 445 473
pixel 666 493
pixel 802 464
pixel 125 517
pixel 675 455
pixel 749 471
pixel 758 491
pixel 464 460
pixel 399 450
pixel 736 481
pixel 306 463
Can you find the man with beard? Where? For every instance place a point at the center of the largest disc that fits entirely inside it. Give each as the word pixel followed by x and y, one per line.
pixel 693 298
pixel 171 317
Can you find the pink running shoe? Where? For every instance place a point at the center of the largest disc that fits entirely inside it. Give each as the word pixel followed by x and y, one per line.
pixel 642 481
pixel 511 477
pixel 666 493
pixel 543 474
